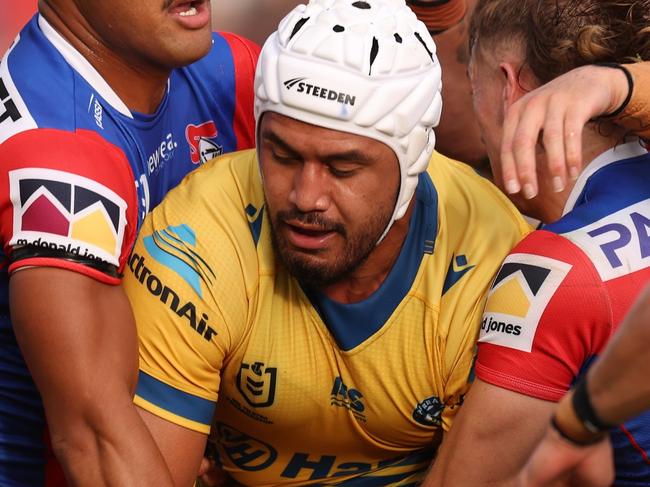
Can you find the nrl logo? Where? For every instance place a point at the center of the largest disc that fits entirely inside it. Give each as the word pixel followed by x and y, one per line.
pixel 257 384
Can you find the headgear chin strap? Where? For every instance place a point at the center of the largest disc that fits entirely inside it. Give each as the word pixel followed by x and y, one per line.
pixel 363 67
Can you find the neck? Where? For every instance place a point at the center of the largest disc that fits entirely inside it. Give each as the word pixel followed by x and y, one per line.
pixel 370 275
pixel 141 88
pixel 548 206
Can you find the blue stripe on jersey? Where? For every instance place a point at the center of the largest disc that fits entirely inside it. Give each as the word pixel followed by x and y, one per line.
pixel 352 324
pixel 610 189
pixel 174 400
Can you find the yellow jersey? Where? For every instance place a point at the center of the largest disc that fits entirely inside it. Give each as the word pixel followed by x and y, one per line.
pixel 294 388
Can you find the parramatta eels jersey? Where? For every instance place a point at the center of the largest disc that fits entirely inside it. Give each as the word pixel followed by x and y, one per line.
pixel 564 290
pixel 78 172
pixel 295 388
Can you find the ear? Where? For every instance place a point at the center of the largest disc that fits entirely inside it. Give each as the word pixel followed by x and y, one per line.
pixel 512 89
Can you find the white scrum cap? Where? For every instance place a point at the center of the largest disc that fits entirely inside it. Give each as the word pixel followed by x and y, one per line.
pixel 362 67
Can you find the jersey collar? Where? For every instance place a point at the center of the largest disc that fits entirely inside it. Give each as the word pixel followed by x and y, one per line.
pixel 354 323
pixel 628 150
pixel 81 65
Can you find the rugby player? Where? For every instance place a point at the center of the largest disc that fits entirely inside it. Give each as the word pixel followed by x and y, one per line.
pixel 312 307
pixel 563 291
pixel 98 119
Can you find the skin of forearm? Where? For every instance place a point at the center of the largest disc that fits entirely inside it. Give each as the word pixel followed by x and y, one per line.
pixel 618 383
pixel 110 448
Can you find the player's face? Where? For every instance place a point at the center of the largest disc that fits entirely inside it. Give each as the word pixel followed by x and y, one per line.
pixel 487 88
pixel 161 33
pixel 488 81
pixel 329 195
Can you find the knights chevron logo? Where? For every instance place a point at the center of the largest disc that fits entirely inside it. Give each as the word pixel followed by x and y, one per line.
pixel 64 211
pixel 174 248
pixel 518 297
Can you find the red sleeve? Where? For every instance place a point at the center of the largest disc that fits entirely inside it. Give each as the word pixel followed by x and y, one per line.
pixel 67 200
pixel 245 54
pixel 547 314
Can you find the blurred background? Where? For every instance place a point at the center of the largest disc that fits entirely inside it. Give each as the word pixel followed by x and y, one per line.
pixel 13 14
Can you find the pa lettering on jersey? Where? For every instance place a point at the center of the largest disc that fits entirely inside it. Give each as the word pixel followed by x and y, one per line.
pixel 618 244
pixel 518 298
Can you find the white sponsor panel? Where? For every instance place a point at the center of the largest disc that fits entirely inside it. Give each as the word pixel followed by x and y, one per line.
pixel 501 327
pixel 41 237
pixel 618 244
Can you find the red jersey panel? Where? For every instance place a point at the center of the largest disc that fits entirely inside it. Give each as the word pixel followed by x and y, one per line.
pixel 547 313
pixel 57 212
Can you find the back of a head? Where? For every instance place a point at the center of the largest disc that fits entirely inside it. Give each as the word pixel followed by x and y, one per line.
pixel 362 67
pixel 559 35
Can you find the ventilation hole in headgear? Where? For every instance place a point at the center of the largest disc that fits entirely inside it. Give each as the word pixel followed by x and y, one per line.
pixel 373 52
pixel 424 44
pixel 298 26
pixel 398 38
pixel 338 28
pixel 361 5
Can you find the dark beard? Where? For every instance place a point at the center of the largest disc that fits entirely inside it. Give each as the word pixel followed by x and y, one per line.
pixel 319 275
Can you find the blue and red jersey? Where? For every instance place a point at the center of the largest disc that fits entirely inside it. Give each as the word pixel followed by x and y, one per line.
pixel 564 290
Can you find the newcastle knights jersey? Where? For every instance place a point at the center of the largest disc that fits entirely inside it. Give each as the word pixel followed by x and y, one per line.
pixel 564 290
pixel 78 173
pixel 293 387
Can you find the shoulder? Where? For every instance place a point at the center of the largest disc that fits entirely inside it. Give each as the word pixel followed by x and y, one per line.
pixel 223 202
pixel 465 196
pixel 477 225
pixel 66 197
pixel 230 51
pixel 545 279
pixel 231 179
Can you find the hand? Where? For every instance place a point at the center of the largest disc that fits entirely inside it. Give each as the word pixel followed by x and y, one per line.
pixel 556 113
pixel 211 475
pixel 559 463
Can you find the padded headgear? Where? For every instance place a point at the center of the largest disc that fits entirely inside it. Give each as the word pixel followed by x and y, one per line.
pixel 362 67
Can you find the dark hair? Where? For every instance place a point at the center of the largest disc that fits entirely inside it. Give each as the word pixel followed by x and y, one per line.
pixel 559 35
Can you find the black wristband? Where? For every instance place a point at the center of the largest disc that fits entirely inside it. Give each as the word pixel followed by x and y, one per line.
pixel 573 440
pixel 585 410
pixel 630 88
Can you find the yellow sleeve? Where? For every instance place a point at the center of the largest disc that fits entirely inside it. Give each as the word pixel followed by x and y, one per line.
pixel 636 115
pixel 188 292
pixel 480 226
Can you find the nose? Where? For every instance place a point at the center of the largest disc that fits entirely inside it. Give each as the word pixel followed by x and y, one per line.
pixel 311 191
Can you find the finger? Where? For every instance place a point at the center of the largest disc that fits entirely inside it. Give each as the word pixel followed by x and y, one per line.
pixel 524 144
pixel 553 141
pixel 573 127
pixel 509 176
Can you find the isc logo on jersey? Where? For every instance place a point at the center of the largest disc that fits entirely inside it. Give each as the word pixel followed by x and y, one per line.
pixel 518 297
pixel 66 212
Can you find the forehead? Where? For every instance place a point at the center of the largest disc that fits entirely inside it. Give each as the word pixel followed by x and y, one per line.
pixel 312 140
